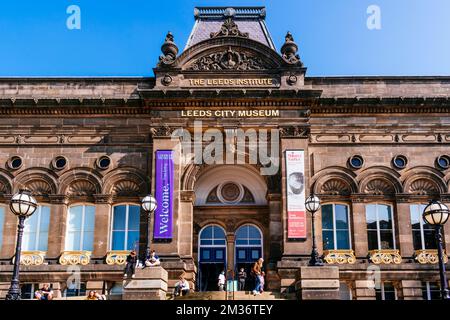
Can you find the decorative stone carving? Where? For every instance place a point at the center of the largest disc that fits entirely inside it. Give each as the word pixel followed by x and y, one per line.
pixel 428 257
pixel 75 258
pixel 379 187
pixel 162 131
pixel 81 188
pixel 294 131
pixel 229 29
pixel 385 256
pixel 32 258
pixel 116 257
pixel 289 51
pixel 335 187
pixel 126 188
pixel 169 51
pixel 228 60
pixel 423 187
pixel 166 80
pixel 39 187
pixel 339 256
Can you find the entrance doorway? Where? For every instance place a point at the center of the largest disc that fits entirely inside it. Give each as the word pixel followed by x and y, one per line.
pixel 248 249
pixel 212 256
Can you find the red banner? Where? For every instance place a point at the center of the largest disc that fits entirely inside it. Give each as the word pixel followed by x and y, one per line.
pixel 295 194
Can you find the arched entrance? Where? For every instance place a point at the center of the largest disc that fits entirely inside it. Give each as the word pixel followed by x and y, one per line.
pixel 248 248
pixel 212 256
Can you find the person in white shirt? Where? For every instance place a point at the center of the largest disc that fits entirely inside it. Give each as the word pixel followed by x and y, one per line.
pixel 182 287
pixel 221 283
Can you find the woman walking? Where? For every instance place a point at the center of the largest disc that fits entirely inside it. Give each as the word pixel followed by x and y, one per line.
pixel 256 271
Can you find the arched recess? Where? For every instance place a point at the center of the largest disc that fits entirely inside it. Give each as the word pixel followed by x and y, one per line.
pixel 125 182
pixel 335 181
pixel 6 182
pixel 80 182
pixel 424 181
pixel 213 176
pixel 40 181
pixel 379 181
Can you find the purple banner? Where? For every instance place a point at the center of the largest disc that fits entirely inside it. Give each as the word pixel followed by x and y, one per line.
pixel 164 168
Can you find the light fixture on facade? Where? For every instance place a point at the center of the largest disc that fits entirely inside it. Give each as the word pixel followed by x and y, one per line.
pixel 312 204
pixel 23 205
pixel 149 205
pixel 436 214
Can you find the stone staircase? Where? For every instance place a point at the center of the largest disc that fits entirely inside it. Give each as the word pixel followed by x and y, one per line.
pixel 238 295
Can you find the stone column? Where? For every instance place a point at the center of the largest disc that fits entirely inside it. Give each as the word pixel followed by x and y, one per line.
pixel 57 227
pixel 411 289
pixel 102 225
pixel 365 290
pixel 298 247
pixel 169 248
pixel 403 222
pixel 359 229
pixel 318 283
pixel 9 234
pixel 186 223
pixel 230 251
pixel 148 284
pixel 275 241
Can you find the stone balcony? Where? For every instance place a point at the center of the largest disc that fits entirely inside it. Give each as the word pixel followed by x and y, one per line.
pixel 75 258
pixel 32 258
pixel 116 257
pixel 385 256
pixel 428 256
pixel 339 256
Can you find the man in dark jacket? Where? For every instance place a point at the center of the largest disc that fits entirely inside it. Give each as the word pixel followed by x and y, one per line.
pixel 131 265
pixel 242 276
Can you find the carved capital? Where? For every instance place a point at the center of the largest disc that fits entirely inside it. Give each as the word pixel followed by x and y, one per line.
pixel 187 196
pixel 162 131
pixel 295 132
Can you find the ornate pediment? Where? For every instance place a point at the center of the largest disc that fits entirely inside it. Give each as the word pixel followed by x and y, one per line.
pixel 230 59
pixel 229 29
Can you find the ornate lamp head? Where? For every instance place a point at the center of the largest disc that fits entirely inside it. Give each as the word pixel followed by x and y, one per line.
pixel 436 213
pixel 312 203
pixel 23 204
pixel 149 204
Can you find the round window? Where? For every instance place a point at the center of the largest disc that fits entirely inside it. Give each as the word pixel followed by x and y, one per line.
pixel 443 162
pixel 59 162
pixel 103 162
pixel 15 162
pixel 230 192
pixel 400 161
pixel 356 162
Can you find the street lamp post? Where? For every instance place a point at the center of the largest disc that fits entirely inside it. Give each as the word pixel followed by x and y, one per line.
pixel 149 205
pixel 312 204
pixel 23 205
pixel 436 213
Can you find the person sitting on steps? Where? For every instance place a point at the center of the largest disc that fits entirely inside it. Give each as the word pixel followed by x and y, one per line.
pixel 182 287
pixel 131 265
pixel 152 260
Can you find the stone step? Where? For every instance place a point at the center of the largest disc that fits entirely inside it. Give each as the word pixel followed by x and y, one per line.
pixel 238 295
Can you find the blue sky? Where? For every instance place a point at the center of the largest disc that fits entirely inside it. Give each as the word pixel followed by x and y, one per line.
pixel 123 38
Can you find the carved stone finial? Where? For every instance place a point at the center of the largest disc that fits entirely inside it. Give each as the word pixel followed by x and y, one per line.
pixel 289 50
pixel 169 51
pixel 229 29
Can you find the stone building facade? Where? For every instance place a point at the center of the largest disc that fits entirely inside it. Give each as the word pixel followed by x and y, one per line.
pixel 376 150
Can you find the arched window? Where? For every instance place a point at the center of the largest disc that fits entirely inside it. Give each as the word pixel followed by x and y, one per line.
pixel 335 227
pixel 125 227
pixel 248 244
pixel 212 236
pixel 35 234
pixel 424 236
pixel 248 235
pixel 2 220
pixel 80 228
pixel 380 227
